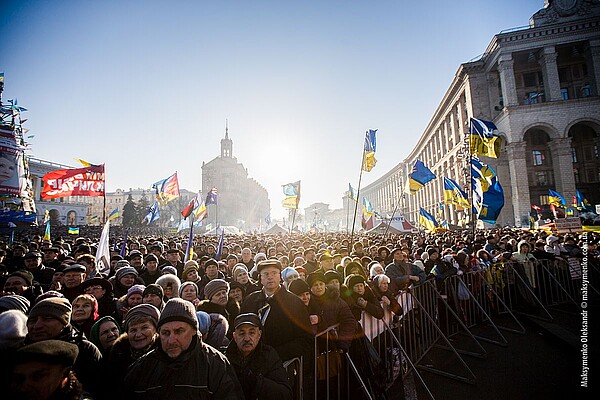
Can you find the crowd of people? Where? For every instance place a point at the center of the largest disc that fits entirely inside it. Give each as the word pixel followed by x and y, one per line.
pixel 221 324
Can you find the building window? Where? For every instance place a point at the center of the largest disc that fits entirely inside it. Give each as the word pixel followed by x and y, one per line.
pixel 542 178
pixel 537 157
pixel 592 175
pixel 534 97
pixel 564 93
pixel 574 155
pixel 543 199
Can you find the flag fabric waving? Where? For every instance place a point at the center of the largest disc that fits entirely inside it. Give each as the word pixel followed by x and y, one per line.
pixel 453 194
pixel 482 140
pixel 292 193
pixel 114 214
pixel 166 189
pixel 103 251
pixel 189 250
pixel 211 197
pixel 153 213
pixel 581 203
pixel 352 193
pixel 88 181
pixel 419 176
pixel 427 220
pixel 367 207
pixel 192 206
pixel 488 194
pixel 200 213
pixel 73 231
pixel 369 160
pixel 219 252
pixel 556 199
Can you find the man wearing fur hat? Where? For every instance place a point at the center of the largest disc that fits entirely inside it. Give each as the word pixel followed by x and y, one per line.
pixel 182 367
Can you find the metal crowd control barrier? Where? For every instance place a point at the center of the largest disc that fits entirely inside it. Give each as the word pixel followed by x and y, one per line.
pixel 295 376
pixel 419 330
pixel 329 357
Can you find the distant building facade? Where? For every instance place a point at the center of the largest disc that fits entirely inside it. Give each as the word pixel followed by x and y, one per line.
pixel 540 86
pixel 242 201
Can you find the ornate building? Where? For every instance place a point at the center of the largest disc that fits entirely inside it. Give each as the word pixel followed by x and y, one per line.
pixel 242 201
pixel 539 85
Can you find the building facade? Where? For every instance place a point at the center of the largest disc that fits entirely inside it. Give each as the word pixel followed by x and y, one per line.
pixel 70 211
pixel 242 201
pixel 539 85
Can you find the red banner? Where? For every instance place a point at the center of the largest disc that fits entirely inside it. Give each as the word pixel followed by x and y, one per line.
pixel 87 181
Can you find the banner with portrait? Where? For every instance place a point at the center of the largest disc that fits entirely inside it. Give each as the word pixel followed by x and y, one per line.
pixel 13 180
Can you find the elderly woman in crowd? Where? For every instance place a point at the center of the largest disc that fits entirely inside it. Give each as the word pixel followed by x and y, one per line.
pixel 140 337
pixel 85 313
pixel 132 298
pixel 104 334
pixel 102 290
pixel 189 291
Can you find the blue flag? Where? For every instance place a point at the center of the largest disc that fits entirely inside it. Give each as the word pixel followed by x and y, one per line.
pixel 419 176
pixel 153 213
pixel 370 147
pixel 211 197
pixel 488 195
pixel 220 247
pixel 427 220
pixel 482 140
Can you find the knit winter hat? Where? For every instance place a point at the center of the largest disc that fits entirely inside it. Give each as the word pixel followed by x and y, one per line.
pixel 353 280
pixel 14 302
pixel 168 269
pixel 121 272
pixel 203 322
pixel 331 275
pixel 150 257
pixel 57 352
pixel 141 310
pixel 314 277
pixel 95 330
pixel 13 328
pixel 185 284
pixel 178 310
pixel 55 307
pixel 153 288
pixel 298 286
pixel 187 270
pixel 287 272
pixel 49 294
pixel 136 289
pixel 237 268
pixel 214 286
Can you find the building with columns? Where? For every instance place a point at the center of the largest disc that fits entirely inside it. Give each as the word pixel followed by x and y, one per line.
pixel 540 85
pixel 242 201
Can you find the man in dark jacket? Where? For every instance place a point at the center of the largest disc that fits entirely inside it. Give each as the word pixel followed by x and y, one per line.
pixel 41 274
pixel 283 315
pixel 50 319
pixel 257 365
pixel 182 367
pixel 402 273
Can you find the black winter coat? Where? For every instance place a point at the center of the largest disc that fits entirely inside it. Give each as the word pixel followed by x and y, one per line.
pixel 287 327
pixel 201 372
pixel 261 374
pixel 333 310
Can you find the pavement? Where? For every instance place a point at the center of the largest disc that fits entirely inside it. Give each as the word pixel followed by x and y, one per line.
pixel 543 363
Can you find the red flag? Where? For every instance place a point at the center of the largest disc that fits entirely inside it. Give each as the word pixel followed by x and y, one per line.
pixel 194 204
pixel 87 181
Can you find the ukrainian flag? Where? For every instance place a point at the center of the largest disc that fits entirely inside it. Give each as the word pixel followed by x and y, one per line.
pixel 419 176
pixel 114 214
pixel 453 194
pixel 427 220
pixel 352 193
pixel 292 193
pixel 482 141
pixel 73 231
pixel 94 219
pixel 581 202
pixel 367 208
pixel 369 160
pixel 488 194
pixel 47 232
pixel 556 199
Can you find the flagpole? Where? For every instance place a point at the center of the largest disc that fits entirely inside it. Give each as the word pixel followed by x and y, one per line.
pixel 293 219
pixel 348 214
pixel 401 199
pixel 357 198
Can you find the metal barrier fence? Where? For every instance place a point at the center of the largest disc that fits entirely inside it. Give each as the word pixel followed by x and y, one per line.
pixel 295 376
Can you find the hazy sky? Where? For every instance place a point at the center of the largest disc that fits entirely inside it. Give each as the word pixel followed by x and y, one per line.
pixel 146 86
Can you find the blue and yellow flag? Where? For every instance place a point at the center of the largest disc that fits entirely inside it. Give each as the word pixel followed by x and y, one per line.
pixel 427 220
pixel 367 208
pixel 482 140
pixel 352 193
pixel 581 203
pixel 93 219
pixel 419 176
pixel 556 199
pixel 453 194
pixel 153 214
pixel 370 147
pixel 47 232
pixel 166 189
pixel 114 214
pixel 73 231
pixel 292 193
pixel 488 195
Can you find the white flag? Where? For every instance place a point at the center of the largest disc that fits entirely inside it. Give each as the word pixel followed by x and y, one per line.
pixel 103 252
